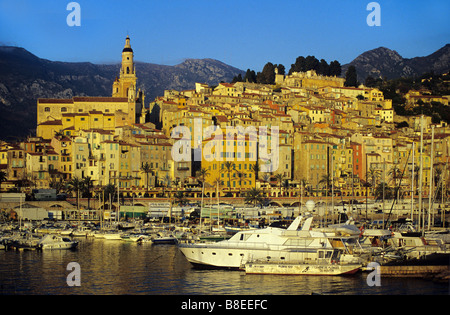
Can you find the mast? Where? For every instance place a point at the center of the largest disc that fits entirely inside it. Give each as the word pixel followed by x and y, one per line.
pixel 412 184
pixel 118 199
pixel 421 170
pixel 431 179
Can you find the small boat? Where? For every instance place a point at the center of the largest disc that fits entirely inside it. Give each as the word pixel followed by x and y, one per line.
pixel 56 242
pixel 82 231
pixel 112 236
pixel 66 232
pixel 164 239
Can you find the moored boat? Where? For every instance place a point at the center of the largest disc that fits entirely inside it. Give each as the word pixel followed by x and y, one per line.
pixel 272 244
pixel 56 242
pixel 162 238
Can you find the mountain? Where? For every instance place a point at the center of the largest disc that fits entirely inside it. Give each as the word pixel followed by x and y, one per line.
pixel 25 77
pixel 386 63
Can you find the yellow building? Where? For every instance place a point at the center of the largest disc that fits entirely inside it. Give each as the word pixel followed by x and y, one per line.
pixel 230 161
pixel 125 107
pixel 63 147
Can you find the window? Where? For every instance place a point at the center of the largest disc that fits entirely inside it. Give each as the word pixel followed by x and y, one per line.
pixel 47 109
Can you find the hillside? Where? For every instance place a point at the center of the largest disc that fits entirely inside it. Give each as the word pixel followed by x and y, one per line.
pixel 25 77
pixel 386 63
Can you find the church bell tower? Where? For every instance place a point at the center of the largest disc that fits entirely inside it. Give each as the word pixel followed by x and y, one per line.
pixel 125 85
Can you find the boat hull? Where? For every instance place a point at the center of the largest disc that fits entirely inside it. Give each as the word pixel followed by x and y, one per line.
pixel 62 245
pixel 165 240
pixel 301 269
pixel 112 236
pixel 215 256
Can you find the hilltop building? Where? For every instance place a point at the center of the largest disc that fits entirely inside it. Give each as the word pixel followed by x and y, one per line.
pixel 68 116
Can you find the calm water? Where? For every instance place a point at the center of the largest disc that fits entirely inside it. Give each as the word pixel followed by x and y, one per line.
pixel 116 267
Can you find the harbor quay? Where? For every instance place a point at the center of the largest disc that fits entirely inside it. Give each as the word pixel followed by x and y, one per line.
pixel 93 209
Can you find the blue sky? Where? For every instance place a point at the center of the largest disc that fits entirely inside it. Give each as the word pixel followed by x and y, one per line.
pixel 245 33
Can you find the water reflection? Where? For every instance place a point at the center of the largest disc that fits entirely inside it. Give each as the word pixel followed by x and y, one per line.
pixel 116 267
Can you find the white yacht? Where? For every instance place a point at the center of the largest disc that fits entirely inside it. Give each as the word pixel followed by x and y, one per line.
pixel 270 244
pixel 56 242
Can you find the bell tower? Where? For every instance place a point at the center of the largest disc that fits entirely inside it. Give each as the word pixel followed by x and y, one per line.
pixel 125 85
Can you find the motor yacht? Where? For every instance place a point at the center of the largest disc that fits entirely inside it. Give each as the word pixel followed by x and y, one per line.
pixel 270 244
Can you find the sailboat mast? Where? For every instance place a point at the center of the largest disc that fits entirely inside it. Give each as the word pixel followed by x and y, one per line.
pixel 420 170
pixel 431 179
pixel 412 184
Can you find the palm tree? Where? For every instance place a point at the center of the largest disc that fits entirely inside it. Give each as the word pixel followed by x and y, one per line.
pixel 201 174
pixel 87 185
pixel 254 196
pixel 240 175
pixel 56 183
pixel 373 175
pixel 228 167
pixel 280 177
pixel 177 181
pixel 180 199
pixel 396 174
pixel 3 178
pixel 166 183
pixel 325 179
pixel 255 168
pixel 75 185
pixel 145 168
pixel 217 182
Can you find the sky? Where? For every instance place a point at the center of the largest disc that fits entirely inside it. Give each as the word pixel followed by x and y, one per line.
pixel 245 34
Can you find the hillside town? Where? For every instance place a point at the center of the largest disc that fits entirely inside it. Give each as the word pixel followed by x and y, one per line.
pixel 332 140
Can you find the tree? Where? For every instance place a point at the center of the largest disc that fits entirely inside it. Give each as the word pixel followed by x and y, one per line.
pixel 109 192
pixel 250 76
pixel 254 196
pixel 312 63
pixel 281 69
pixel 86 185
pixel 299 64
pixel 389 192
pixel 325 179
pixel 56 182
pixel 75 185
pixel 280 177
pixel 237 78
pixel 255 168
pixel 335 68
pixel 201 175
pixel 167 180
pixel 180 199
pixel 323 68
pixel 351 78
pixel 240 175
pixel 373 175
pixel 145 168
pixel 267 76
pixel 3 178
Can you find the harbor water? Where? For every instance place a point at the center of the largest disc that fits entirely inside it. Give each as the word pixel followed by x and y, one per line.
pixel 110 267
